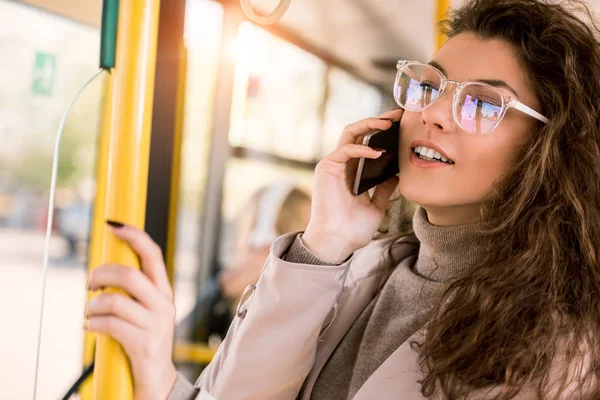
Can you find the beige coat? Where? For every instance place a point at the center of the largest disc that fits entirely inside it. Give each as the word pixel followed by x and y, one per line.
pixel 290 324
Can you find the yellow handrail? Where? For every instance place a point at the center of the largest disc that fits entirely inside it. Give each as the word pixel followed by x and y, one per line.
pixel 97 232
pixel 198 353
pixel 176 164
pixel 123 162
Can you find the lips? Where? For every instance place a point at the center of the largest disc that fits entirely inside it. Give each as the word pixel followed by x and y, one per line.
pixel 431 145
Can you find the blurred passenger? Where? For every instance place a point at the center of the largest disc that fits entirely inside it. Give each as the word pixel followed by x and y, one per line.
pixel 269 213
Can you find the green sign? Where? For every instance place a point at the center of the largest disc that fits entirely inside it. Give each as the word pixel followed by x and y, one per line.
pixel 44 72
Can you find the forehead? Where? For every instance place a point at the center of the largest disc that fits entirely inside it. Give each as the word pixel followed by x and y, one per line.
pixel 469 57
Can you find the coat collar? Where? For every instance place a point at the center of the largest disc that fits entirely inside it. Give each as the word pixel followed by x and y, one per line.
pixel 365 277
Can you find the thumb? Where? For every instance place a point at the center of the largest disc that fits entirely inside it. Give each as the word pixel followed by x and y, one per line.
pixel 383 192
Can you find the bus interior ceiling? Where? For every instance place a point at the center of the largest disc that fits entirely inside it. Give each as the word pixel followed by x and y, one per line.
pixel 368 36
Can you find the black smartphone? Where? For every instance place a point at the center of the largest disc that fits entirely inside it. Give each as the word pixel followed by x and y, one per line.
pixel 372 172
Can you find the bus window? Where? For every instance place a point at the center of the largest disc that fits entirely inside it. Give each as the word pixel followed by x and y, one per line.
pixel 342 107
pixel 202 36
pixel 278 96
pixel 43 69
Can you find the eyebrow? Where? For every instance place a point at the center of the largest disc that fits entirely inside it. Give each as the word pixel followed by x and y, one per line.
pixel 492 82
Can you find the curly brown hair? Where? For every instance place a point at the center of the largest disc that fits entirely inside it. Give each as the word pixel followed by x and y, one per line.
pixel 534 296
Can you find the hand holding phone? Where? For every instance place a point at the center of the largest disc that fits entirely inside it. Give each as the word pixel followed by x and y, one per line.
pixel 341 222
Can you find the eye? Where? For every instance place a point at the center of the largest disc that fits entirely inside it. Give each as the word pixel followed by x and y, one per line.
pixel 486 100
pixel 427 85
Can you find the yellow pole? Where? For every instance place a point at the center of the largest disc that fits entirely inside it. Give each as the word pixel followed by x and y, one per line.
pixel 176 166
pixel 123 172
pixel 441 13
pixel 199 353
pixel 97 230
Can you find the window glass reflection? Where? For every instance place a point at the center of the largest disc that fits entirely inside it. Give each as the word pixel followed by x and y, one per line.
pixel 42 69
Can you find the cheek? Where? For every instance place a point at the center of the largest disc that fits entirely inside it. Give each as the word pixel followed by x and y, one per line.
pixel 491 157
pixel 481 160
pixel 486 162
pixel 409 122
pixel 410 129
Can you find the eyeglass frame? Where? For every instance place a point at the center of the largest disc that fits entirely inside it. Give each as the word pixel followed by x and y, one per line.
pixel 508 102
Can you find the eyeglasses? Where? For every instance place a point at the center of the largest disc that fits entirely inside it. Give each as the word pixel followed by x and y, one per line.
pixel 477 106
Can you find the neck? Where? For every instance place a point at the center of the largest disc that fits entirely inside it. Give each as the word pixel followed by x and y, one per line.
pixel 446 252
pixel 453 216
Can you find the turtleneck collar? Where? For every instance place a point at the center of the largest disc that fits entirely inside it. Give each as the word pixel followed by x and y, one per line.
pixel 446 252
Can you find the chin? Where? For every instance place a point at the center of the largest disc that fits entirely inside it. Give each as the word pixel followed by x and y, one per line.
pixel 426 202
pixel 456 209
pixel 424 195
pixel 434 199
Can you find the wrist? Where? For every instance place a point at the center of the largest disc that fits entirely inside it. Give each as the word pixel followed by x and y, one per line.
pixel 170 380
pixel 161 389
pixel 326 247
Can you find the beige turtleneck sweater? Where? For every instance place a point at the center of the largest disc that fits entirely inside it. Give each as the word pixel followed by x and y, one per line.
pixel 399 309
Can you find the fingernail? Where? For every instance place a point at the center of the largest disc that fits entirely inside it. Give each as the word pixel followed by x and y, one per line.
pixel 379 150
pixel 386 119
pixel 115 224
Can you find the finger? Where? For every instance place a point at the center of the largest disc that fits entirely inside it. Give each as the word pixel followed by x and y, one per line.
pixel 362 127
pixel 352 132
pixel 150 255
pixel 122 307
pixel 123 332
pixel 395 115
pixel 348 151
pixel 131 280
pixel 383 192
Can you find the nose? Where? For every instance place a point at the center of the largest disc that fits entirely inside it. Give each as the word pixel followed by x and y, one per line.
pixel 438 116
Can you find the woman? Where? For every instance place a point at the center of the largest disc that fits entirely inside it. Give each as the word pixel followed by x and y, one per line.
pixel 496 296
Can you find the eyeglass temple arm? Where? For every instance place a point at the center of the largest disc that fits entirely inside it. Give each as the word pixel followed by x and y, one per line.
pixel 529 111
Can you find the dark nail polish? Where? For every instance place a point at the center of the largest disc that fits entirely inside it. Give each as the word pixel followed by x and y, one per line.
pixel 379 150
pixel 386 119
pixel 114 224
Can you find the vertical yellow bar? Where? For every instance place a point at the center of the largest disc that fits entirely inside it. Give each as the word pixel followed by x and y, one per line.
pixel 441 10
pixel 123 173
pixel 98 227
pixel 176 169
